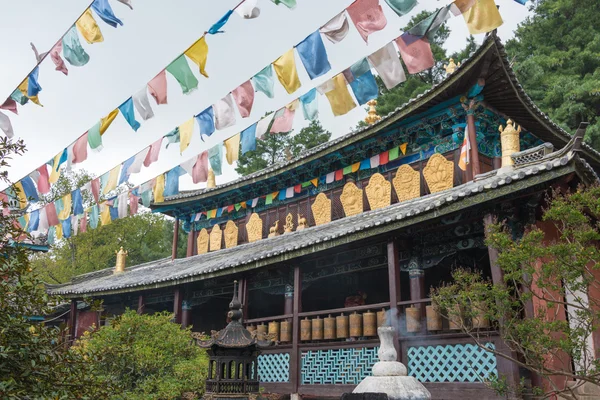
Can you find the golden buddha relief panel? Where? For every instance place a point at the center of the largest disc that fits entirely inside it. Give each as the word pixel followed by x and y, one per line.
pixel 379 192
pixel 352 199
pixel 215 238
pixel 254 228
pixel 439 173
pixel 321 209
pixel 407 183
pixel 202 241
pixel 231 234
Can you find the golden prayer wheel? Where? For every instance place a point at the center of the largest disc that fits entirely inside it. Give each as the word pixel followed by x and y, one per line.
pixel 454 318
pixel 434 318
pixel 251 328
pixel 286 331
pixel 261 331
pixel 413 319
pixel 274 329
pixel 317 328
pixel 305 329
pixel 480 320
pixel 369 323
pixel 328 328
pixel 381 317
pixel 341 326
pixel 356 325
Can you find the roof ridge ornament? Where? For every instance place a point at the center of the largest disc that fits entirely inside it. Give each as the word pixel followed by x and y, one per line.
pixel 451 66
pixel 372 116
pixel 510 141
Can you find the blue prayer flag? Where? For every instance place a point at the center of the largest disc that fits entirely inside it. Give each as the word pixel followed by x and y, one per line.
pixel 114 212
pixel 313 55
pixel 220 23
pixel 281 196
pixel 248 139
pixel 94 215
pixel 310 104
pixel 124 170
pixel 105 12
pixel 33 87
pixel 29 189
pixel 364 87
pixel 365 164
pixel 172 181
pixel 77 200
pixel 66 227
pixel 127 111
pixel 34 221
pixel 206 121
pixel 51 235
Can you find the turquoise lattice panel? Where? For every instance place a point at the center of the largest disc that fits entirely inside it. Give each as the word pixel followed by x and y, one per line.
pixel 452 363
pixel 341 366
pixel 274 367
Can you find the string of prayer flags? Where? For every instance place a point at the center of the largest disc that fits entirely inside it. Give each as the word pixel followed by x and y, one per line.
pixel 198 53
pixel 89 29
pixel 216 28
pixel 206 122
pixel 152 155
pixel 244 97
pixel 417 55
pixel 248 9
pixel 483 17
pixel 158 87
pixel 72 50
pixel 224 113
pixel 126 110
pixel 283 120
pixel 263 81
pixel 336 28
pixel 200 170
pixel 180 69
pixel 310 105
pixel 77 199
pixel 313 55
pixel 215 157
pixel 367 16
pixel 387 64
pixel 185 133
pixel 401 7
pixel 248 139
pixel 362 81
pixel 287 3
pixel 142 104
pixel 285 68
pixel 105 12
pixel 262 127
pixel 339 97
pixel 232 148
pixel 6 125
pixel 159 188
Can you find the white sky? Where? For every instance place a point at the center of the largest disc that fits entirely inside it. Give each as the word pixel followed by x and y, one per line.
pixel 154 33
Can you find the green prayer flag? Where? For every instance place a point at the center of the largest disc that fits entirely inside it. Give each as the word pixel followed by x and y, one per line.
pixel 269 199
pixel 19 97
pixel 401 7
pixel 393 153
pixel 429 26
pixel 287 3
pixel 215 157
pixel 238 206
pixel 306 184
pixel 347 170
pixel 94 137
pixel 146 198
pixel 172 137
pixel 180 69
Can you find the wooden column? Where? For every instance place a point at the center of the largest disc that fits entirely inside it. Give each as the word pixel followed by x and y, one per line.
pixel 72 321
pixel 175 239
pixel 177 299
pixel 394 286
pixel 189 251
pixel 141 304
pixel 474 164
pixel 295 357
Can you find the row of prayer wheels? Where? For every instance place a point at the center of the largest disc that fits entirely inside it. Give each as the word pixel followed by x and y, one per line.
pixel 342 326
pixel 277 331
pixel 434 319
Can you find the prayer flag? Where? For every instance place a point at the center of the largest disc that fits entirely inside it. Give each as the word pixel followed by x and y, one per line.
pixel 43 185
pixel 94 137
pixel 6 125
pixel 248 139
pixel 133 204
pixel 362 82
pixel 483 17
pixel 216 28
pixel 105 12
pixel 159 189
pixel 24 88
pixel 158 87
pixel 111 180
pixel 67 204
pixel 51 214
pixel 185 133
pixel 429 26
pixel 339 97
pixel 55 171
pixel 113 210
pixel 384 158
pixel 289 192
pixel 374 161
pixel 108 120
pixel 173 137
pixel 262 126
pixel 77 199
pixel 346 170
pixel 57 59
pixel 11 105
pixel 337 28
pixel 282 195
pixel 33 87
pixel 66 228
pixel 365 164
pixel 215 156
pixel 138 161
pixel 127 3
pixel 59 231
pixel 285 68
pixel 403 147
pixel 224 113
pixel 355 167
pixel 401 7
pixel 330 177
pixel 72 50
pixel 315 182
pixel 393 154
pixel 188 165
pixel 147 198
pixel 200 170
pixel 152 155
pixel 310 105
pixel 172 181
pixel 297 188
pixel 313 55
pixel 367 16
pixel 80 149
pixel 263 81
pixel 461 6
pixel 232 148
pixel 127 112
pixel 465 149
pixel 29 189
pixel 388 65
pixel 180 69
pixel 142 104
pixel 95 189
pixel 206 122
pixel 19 97
pixel 254 202
pixel 287 3
pixel 269 199
pixel 83 223
pixel 244 97
pixel 34 221
pixel 283 120
pixel 248 9
pixel 522 2
pixel 339 175
pixel 89 29
pixel 125 170
pixel 198 53
pixel 417 56
pixel 75 224
pixel 94 215
pixel 105 218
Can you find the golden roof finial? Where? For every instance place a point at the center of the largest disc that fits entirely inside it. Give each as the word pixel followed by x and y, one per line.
pixel 372 116
pixel 510 142
pixel 121 259
pixel 211 182
pixel 451 66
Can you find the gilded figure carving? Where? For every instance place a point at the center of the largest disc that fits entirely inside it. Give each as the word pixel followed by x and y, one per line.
pixel 352 199
pixel 439 173
pixel 509 138
pixel 231 234
pixel 379 192
pixel 215 238
pixel 302 223
pixel 274 230
pixel 254 228
pixel 321 209
pixel 289 224
pixel 407 183
pixel 202 241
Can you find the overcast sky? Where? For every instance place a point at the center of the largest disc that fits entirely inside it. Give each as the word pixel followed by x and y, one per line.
pixel 154 33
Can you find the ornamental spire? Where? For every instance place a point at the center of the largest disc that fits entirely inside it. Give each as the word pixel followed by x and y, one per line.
pixel 372 116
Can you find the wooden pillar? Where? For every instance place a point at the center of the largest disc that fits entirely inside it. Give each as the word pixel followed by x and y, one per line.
pixel 295 356
pixel 189 251
pixel 72 321
pixel 186 314
pixel 175 239
pixel 474 164
pixel 141 304
pixel 177 299
pixel 394 287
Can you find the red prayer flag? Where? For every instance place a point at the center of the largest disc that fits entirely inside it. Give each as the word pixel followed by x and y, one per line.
pixel 43 185
pixel 230 208
pixel 244 97
pixel 51 214
pixel 10 105
pixel 417 56
pixel 384 158
pixel 339 174
pixel 80 149
pixel 297 188
pixel 83 223
pixel 96 189
pixel 133 204
pixel 367 16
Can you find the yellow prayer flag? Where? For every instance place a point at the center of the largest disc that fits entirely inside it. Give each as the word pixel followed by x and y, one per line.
pixel 232 148
pixel 185 134
pixel 243 204
pixel 89 29
pixel 483 17
pixel 20 192
pixel 403 148
pixel 315 182
pixel 198 53
pixel 159 188
pixel 66 211
pixel 59 231
pixel 285 68
pixel 274 195
pixel 339 97
pixel 23 88
pixel 293 105
pixel 355 167
pixel 105 215
pixel 106 121
pixel 55 170
pixel 111 182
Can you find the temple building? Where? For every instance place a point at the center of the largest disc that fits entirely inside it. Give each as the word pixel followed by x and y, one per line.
pixel 367 223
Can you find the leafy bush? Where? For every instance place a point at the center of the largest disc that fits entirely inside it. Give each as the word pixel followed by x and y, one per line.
pixel 147 357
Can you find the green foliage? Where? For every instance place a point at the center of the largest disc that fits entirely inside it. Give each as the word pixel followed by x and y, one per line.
pixel 278 147
pixel 556 56
pixel 34 362
pixel 147 357
pixel 66 183
pixel 550 272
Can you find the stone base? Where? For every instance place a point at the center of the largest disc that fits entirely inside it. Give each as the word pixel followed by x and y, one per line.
pixel 396 387
pixel 585 391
